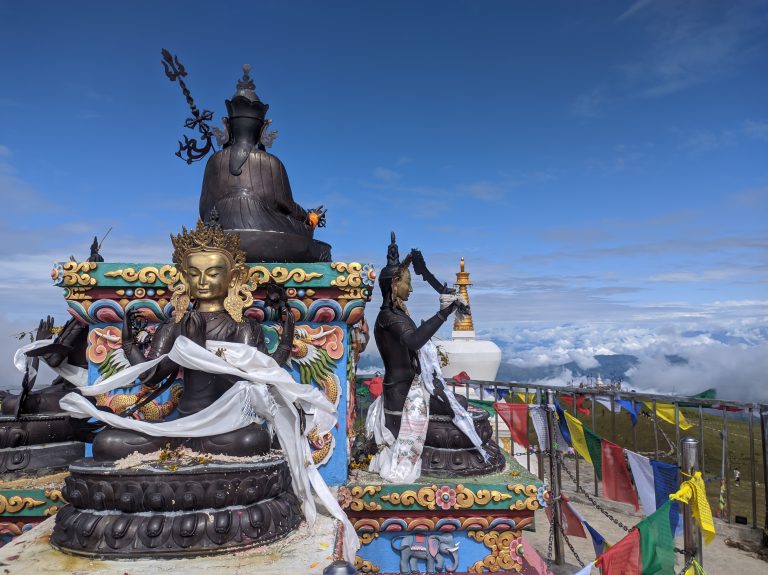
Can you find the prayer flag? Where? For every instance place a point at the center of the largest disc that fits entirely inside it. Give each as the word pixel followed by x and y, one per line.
pixel 666 411
pixel 598 541
pixel 630 407
pixel 595 451
pixel 586 570
pixel 515 415
pixel 623 558
pixel 571 520
pixel 657 546
pixel 533 564
pixel 666 481
pixel 568 400
pixel 642 472
pixel 562 424
pixel 526 397
pixel 578 438
pixel 694 494
pixel 617 484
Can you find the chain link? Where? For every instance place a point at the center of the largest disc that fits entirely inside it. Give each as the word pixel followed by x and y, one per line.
pixel 688 564
pixel 551 540
pixel 591 499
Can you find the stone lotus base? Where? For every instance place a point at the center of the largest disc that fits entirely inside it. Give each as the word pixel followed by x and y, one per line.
pixel 161 510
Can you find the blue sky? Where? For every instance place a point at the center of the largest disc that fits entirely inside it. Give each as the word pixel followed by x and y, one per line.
pixel 600 165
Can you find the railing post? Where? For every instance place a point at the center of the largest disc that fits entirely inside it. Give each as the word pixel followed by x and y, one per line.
pixel 689 449
pixel 554 478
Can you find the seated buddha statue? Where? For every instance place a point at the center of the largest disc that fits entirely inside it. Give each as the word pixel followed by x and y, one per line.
pixel 448 450
pixel 248 189
pixel 214 279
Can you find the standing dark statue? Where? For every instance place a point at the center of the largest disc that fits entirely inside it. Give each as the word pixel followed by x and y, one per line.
pixel 248 189
pixel 214 278
pixel 447 451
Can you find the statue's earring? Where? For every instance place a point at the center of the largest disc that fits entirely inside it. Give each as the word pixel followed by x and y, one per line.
pixel 180 300
pixel 239 297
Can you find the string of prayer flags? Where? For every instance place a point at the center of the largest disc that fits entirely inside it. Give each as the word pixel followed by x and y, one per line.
pixel 666 411
pixel 568 400
pixel 694 493
pixel 618 405
pixel 695 569
pixel 528 398
pixel 617 483
pixel 515 415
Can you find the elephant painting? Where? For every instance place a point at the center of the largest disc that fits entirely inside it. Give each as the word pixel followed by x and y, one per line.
pixel 432 547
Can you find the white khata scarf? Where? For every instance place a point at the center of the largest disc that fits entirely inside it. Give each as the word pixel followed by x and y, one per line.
pixel 265 392
pixel 399 459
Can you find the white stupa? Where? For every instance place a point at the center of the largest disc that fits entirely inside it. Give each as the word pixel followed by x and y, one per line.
pixel 479 358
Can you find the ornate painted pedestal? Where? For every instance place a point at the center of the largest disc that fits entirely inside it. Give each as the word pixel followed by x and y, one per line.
pixel 327 300
pixel 469 525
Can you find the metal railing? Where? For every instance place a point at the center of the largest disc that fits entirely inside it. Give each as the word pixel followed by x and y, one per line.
pixel 703 410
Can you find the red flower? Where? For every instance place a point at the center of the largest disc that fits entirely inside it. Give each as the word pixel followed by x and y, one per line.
pixel 445 497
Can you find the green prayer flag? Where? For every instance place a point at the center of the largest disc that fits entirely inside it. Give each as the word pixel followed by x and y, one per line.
pixel 657 545
pixel 595 451
pixel 483 404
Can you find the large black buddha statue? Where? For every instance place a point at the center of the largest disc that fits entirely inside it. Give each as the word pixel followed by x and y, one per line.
pixel 447 451
pixel 247 189
pixel 214 277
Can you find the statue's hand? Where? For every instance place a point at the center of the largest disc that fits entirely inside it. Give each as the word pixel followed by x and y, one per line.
pixel 277 298
pixel 419 265
pixel 134 322
pixel 44 329
pixel 316 217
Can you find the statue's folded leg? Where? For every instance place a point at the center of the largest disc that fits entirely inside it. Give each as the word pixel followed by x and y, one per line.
pixel 114 444
pixel 246 442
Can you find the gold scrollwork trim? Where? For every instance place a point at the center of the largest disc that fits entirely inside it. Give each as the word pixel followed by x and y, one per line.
pixel 54 495
pixel 364 566
pixel 16 503
pixel 261 274
pixel 52 510
pixel 77 274
pixel 461 497
pixel 353 278
pixel 166 274
pixel 531 501
pixel 360 491
pixel 500 546
pixel 366 538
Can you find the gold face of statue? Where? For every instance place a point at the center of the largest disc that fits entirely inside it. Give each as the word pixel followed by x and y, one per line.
pixel 209 275
pixel 403 287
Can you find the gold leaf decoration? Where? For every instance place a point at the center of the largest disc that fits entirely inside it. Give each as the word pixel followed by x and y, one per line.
pixel 352 279
pixel 500 546
pixel 531 501
pixel 16 503
pixel 166 274
pixel 358 492
pixel 261 274
pixel 77 274
pixel 366 538
pixel 364 566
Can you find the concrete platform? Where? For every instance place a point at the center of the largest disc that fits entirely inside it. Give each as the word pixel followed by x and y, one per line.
pixel 305 551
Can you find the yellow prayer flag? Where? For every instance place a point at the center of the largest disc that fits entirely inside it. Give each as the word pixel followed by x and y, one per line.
pixel 666 411
pixel 577 436
pixel 531 397
pixel 693 493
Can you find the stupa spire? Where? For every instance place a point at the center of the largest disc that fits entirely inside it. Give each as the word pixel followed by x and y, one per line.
pixel 462 282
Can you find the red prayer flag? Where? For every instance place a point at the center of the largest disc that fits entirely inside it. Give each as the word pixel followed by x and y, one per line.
pixel 617 484
pixel 461 377
pixel 568 400
pixel 375 385
pixel 624 558
pixel 515 415
pixel 572 524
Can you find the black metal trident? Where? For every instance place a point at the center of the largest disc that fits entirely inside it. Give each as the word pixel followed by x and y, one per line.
pixel 189 151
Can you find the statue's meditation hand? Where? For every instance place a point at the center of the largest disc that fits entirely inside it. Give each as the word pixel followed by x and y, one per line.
pixel 276 298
